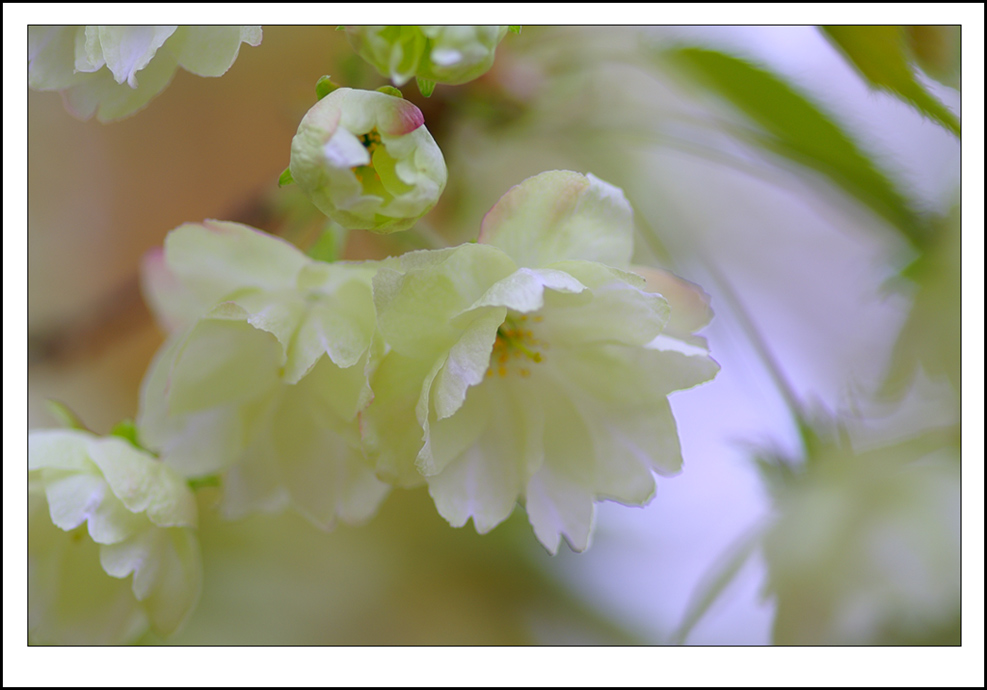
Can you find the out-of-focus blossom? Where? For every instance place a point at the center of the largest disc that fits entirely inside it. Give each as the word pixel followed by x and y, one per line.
pixel 366 160
pixel 531 365
pixel 114 71
pixel 440 54
pixel 263 379
pixel 101 510
pixel 866 546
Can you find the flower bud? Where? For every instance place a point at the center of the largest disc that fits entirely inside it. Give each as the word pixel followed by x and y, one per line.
pixel 442 54
pixel 365 159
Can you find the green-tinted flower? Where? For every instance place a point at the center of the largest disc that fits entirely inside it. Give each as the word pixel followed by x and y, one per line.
pixel 441 54
pixel 865 548
pixel 101 510
pixel 114 71
pixel 533 362
pixel 264 375
pixel 366 160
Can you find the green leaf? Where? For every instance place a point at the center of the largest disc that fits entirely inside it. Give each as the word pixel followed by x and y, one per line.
pixel 515 28
pixel 66 417
pixel 880 54
pixel 127 430
pixel 197 483
pixel 324 87
pixel 285 179
pixel 797 129
pixel 390 90
pixel 425 86
pixel 715 581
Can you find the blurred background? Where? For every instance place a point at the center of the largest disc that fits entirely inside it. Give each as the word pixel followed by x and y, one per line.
pixel 819 503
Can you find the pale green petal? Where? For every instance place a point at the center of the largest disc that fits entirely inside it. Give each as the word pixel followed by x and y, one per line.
pixel 174 306
pixel 210 367
pixel 64 449
pixel 101 95
pixel 559 498
pixel 51 57
pixel 215 259
pixel 339 393
pixel 467 362
pixel 71 600
pixel 458 54
pixel 126 557
pixel 395 51
pixel 72 497
pixel 88 49
pixel 487 451
pixel 389 427
pixel 320 461
pixel 253 484
pixel 414 309
pixel 617 313
pixel 129 49
pixel 112 522
pixel 341 320
pixel 210 51
pixel 194 445
pixel 178 581
pixel 559 507
pixel 145 485
pixel 561 215
pixel 523 290
pixel 637 376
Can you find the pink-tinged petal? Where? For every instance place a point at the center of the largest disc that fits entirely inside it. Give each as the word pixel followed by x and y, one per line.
pixel 689 303
pixel 399 117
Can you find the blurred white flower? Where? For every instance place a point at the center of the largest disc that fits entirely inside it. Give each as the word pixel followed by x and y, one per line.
pixel 114 71
pixel 263 377
pixel 441 54
pixel 138 514
pixel 866 546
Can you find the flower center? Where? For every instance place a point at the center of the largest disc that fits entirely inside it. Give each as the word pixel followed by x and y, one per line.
pixel 516 347
pixel 370 140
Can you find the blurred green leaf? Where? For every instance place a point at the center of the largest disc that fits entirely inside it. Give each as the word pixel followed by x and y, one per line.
pixel 285 179
pixel 330 243
pixel 716 580
pixel 797 129
pixel 937 51
pixel 127 430
pixel 65 416
pixel 324 86
pixel 390 90
pixel 880 54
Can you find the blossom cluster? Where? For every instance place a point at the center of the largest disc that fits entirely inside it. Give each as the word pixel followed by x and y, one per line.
pixel 532 366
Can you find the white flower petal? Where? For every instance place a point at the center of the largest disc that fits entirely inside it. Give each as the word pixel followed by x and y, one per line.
pixel 129 49
pixel 210 51
pixel 561 215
